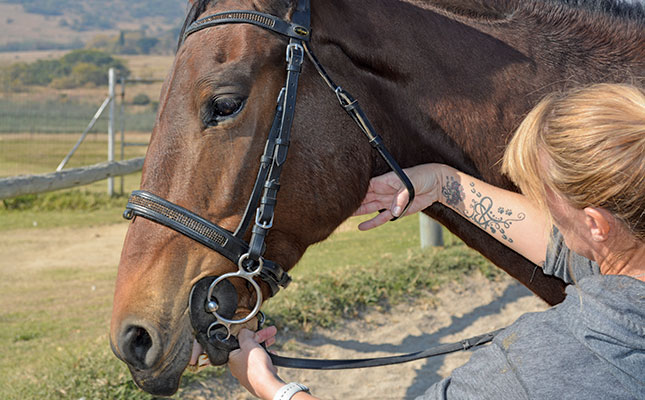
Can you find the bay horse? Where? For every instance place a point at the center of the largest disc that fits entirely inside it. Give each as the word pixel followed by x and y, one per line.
pixel 444 81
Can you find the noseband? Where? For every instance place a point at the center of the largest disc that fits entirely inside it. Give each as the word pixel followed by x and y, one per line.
pixel 211 294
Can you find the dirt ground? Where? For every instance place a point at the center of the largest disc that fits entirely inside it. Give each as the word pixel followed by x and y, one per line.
pixel 459 311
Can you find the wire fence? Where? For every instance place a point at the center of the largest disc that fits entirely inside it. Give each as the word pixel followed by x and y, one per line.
pixel 40 127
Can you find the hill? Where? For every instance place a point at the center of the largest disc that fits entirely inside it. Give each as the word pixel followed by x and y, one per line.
pixel 68 24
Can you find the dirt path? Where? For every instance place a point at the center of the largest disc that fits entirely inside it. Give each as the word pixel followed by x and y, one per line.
pixel 36 249
pixel 459 311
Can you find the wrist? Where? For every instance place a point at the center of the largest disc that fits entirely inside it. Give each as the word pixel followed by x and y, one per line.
pixel 269 386
pixel 292 391
pixel 452 192
pixel 444 174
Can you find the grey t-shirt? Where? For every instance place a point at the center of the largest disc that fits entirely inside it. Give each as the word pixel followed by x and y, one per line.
pixel 591 346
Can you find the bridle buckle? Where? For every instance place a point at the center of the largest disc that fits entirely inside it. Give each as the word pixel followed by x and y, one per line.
pixel 262 224
pixel 295 54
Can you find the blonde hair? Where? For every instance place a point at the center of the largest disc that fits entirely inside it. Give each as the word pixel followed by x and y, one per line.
pixel 588 146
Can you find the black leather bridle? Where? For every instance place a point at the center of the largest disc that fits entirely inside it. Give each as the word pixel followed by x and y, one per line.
pixel 260 209
pixel 213 300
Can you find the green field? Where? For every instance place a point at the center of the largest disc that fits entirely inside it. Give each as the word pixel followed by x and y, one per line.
pixel 39 154
pixel 53 321
pixel 65 116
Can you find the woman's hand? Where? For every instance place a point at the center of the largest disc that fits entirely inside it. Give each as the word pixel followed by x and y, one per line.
pixel 387 192
pixel 251 364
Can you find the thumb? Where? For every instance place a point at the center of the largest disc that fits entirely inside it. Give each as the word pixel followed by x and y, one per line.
pixel 399 202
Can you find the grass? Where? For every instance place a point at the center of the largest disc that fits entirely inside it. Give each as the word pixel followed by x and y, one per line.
pixel 68 208
pixel 40 126
pixel 54 321
pixel 41 153
pixel 63 116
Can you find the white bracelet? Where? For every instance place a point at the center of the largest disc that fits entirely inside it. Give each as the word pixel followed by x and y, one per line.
pixel 289 390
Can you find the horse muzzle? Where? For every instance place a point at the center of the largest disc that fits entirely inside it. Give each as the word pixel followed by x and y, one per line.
pixel 213 303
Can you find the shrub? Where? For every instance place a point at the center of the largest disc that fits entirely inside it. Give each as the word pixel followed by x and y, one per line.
pixel 141 99
pixel 76 68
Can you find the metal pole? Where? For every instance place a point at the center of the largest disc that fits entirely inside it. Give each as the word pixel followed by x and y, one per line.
pixel 430 232
pixel 122 119
pixel 112 81
pixel 98 114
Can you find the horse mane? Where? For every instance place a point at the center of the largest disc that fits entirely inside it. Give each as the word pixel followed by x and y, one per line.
pixel 625 10
pixel 494 10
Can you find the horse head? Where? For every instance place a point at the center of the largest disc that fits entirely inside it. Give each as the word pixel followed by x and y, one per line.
pixel 216 111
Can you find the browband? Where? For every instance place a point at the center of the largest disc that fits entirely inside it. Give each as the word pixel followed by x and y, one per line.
pixel 266 21
pixel 154 208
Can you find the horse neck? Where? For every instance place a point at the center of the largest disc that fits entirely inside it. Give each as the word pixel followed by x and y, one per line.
pixel 455 87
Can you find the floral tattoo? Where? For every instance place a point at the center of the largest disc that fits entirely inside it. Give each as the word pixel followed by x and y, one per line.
pixel 453 191
pixel 482 211
pixel 487 219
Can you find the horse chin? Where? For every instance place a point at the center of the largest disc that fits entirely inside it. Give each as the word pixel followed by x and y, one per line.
pixel 165 384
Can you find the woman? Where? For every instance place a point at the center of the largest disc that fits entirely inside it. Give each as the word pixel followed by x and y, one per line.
pixel 579 160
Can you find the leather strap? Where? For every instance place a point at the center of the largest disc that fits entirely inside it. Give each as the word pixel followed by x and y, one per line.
pixel 266 160
pixel 354 110
pixel 266 210
pixel 154 208
pixel 290 29
pixel 301 363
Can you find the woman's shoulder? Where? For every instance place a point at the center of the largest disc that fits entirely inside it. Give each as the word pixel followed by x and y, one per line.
pixel 608 296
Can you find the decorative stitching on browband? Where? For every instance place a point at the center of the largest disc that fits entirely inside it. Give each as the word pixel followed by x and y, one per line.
pixel 266 21
pixel 237 15
pixel 180 218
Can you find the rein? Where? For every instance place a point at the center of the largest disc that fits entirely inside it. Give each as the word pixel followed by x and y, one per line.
pixel 213 300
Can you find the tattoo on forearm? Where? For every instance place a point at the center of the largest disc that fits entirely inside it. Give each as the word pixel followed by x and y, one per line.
pixel 484 216
pixel 453 191
pixel 481 207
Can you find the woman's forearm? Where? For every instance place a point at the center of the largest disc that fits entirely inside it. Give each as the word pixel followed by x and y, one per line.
pixel 507 216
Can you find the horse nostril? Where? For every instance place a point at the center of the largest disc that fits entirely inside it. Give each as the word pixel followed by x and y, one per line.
pixel 137 347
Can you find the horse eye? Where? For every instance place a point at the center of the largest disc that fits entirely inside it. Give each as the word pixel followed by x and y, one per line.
pixel 226 107
pixel 220 109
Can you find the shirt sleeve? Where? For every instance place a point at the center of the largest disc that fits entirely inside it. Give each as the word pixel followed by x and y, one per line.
pixel 565 264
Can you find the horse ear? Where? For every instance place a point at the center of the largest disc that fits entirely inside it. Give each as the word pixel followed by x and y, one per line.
pixel 477 9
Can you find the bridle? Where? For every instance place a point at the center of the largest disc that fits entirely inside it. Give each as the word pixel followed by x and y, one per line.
pixel 260 209
pixel 213 300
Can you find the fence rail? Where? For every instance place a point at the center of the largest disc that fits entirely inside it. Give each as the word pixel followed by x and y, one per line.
pixel 31 184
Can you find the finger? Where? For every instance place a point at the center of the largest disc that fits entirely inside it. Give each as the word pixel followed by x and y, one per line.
pixel 369 208
pixel 378 220
pixel 389 179
pixel 399 202
pixel 270 341
pixel 245 335
pixel 234 353
pixel 265 334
